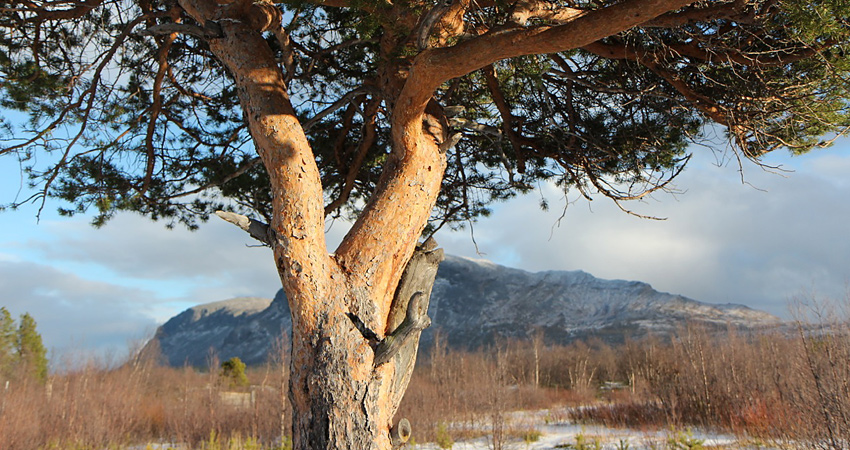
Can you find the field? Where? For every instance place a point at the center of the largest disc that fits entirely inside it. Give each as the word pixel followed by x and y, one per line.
pixel 784 388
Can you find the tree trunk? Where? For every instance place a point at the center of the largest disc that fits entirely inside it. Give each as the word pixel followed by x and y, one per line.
pixel 355 332
pixel 340 398
pixel 356 314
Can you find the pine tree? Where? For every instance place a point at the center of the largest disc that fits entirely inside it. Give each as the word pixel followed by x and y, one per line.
pixel 32 355
pixel 403 116
pixel 234 371
pixel 7 342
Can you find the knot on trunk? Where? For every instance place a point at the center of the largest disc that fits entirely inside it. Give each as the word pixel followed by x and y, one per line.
pixel 258 15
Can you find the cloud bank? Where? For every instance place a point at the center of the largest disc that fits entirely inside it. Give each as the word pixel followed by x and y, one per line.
pixel 758 243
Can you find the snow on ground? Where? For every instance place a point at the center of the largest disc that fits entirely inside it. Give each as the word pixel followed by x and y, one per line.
pixel 566 435
pixel 556 432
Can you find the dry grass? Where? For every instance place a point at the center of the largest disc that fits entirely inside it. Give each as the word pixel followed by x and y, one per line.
pixel 138 402
pixel 790 385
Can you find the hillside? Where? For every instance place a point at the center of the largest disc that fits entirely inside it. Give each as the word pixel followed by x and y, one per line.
pixel 473 303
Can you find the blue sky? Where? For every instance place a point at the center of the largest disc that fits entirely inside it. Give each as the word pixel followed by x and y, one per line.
pixel 760 243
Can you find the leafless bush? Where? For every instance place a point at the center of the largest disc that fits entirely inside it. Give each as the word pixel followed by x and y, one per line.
pixel 106 405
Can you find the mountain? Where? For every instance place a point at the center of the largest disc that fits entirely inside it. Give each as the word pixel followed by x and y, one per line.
pixel 473 303
pixel 246 327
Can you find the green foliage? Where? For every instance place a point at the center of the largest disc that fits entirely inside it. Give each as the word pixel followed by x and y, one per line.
pixel 814 22
pixel 443 438
pixel 531 435
pixel 216 442
pixel 8 337
pixel 99 137
pixel 233 370
pixel 583 443
pixel 285 443
pixel 684 440
pixel 213 442
pixel 22 352
pixel 31 353
pixel 623 444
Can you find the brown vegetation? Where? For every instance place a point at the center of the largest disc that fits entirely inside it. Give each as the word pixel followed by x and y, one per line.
pixel 137 403
pixel 788 385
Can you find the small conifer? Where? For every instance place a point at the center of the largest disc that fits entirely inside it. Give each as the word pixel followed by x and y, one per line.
pixel 233 370
pixel 31 353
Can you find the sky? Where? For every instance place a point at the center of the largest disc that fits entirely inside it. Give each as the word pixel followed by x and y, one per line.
pixel 748 236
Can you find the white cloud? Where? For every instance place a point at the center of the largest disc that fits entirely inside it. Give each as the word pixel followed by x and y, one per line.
pixel 75 312
pixel 145 274
pixel 216 262
pixel 7 257
pixel 723 241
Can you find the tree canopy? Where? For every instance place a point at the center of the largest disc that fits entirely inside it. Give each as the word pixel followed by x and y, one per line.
pixel 135 113
pixel 30 351
pixel 7 342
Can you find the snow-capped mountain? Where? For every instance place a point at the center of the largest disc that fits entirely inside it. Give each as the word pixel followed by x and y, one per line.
pixel 473 302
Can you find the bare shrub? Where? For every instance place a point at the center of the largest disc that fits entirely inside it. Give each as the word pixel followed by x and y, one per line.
pixel 100 404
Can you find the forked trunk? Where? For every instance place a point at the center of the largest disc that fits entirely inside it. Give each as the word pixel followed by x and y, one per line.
pixel 357 314
pixel 346 384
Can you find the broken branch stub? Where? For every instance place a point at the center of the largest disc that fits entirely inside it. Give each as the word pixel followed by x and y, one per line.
pixel 400 433
pixel 258 230
pixel 414 322
pixel 418 277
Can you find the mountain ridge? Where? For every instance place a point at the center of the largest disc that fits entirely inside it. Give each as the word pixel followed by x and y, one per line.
pixel 474 302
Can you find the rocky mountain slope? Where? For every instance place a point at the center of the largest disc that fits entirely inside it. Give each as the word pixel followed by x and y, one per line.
pixel 473 303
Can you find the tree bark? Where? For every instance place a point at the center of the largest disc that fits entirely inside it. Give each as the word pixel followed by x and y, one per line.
pixel 341 398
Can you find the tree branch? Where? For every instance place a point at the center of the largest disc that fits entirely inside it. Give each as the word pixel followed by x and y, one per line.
pixel 79 9
pixel 466 124
pixel 526 10
pixel 780 57
pixel 434 66
pixel 258 230
pixel 400 433
pixel 701 102
pixel 735 10
pixel 298 219
pixel 427 23
pixel 366 142
pixel 362 90
pixel 237 173
pixel 516 140
pixel 156 108
pixel 171 27
pixel 330 3
pixel 339 147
